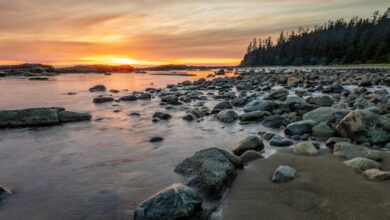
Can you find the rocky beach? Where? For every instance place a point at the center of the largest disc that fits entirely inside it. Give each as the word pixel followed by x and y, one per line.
pixel 282 143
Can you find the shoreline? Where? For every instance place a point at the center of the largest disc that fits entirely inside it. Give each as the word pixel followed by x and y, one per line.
pixel 324 189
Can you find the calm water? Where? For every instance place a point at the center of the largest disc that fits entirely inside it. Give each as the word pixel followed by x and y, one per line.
pixel 99 169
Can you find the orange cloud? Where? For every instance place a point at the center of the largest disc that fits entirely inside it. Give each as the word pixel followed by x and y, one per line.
pixel 152 31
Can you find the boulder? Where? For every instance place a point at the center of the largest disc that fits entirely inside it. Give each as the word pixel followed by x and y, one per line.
pixel 250 155
pixel 333 140
pixel 189 117
pixel 279 94
pixel 324 114
pixel 253 116
pixel 223 105
pixel 250 143
pixel 300 127
pixel 292 80
pixel 305 148
pixel 376 175
pixel 39 117
pixel 128 98
pixel 360 164
pixel 260 105
pixel 227 116
pixel 274 121
pixel 282 79
pixel 322 101
pixel 39 78
pixel 349 151
pixel 323 130
pixel 67 116
pixel 198 113
pixel 284 174
pixel 29 117
pixel 144 96
pixel 98 88
pixel 170 99
pixel 103 99
pixel 5 192
pixel 162 116
pixel 156 139
pixel 280 141
pixel 365 126
pixel 175 202
pixel 266 135
pixel 210 171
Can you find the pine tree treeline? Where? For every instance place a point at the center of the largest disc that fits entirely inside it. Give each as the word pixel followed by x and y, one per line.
pixel 357 41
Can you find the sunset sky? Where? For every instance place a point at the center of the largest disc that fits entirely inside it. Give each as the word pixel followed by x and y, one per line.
pixel 153 32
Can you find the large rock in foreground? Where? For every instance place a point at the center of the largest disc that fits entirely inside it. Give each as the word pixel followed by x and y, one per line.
pixel 39 117
pixel 365 126
pixel 210 171
pixel 175 202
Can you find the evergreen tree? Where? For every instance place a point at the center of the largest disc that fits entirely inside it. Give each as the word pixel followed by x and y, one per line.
pixel 336 42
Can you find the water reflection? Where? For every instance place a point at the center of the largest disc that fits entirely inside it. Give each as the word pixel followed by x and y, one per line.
pixel 100 169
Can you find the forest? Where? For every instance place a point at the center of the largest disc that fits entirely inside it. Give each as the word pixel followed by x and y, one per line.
pixel 357 41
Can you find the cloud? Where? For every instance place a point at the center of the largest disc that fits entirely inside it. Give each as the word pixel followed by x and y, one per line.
pixel 66 30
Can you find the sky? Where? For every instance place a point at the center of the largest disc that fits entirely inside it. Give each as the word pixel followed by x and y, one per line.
pixel 155 32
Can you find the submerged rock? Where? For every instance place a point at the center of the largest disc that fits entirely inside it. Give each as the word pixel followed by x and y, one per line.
pixel 250 143
pixel 210 171
pixel 350 151
pixel 360 164
pixel 175 202
pixel 284 174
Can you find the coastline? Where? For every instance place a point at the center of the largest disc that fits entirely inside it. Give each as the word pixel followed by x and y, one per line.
pixel 324 189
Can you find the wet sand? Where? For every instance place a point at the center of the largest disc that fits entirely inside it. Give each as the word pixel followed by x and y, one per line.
pixel 324 189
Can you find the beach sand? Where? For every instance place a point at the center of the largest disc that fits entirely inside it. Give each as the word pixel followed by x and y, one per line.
pixel 324 189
